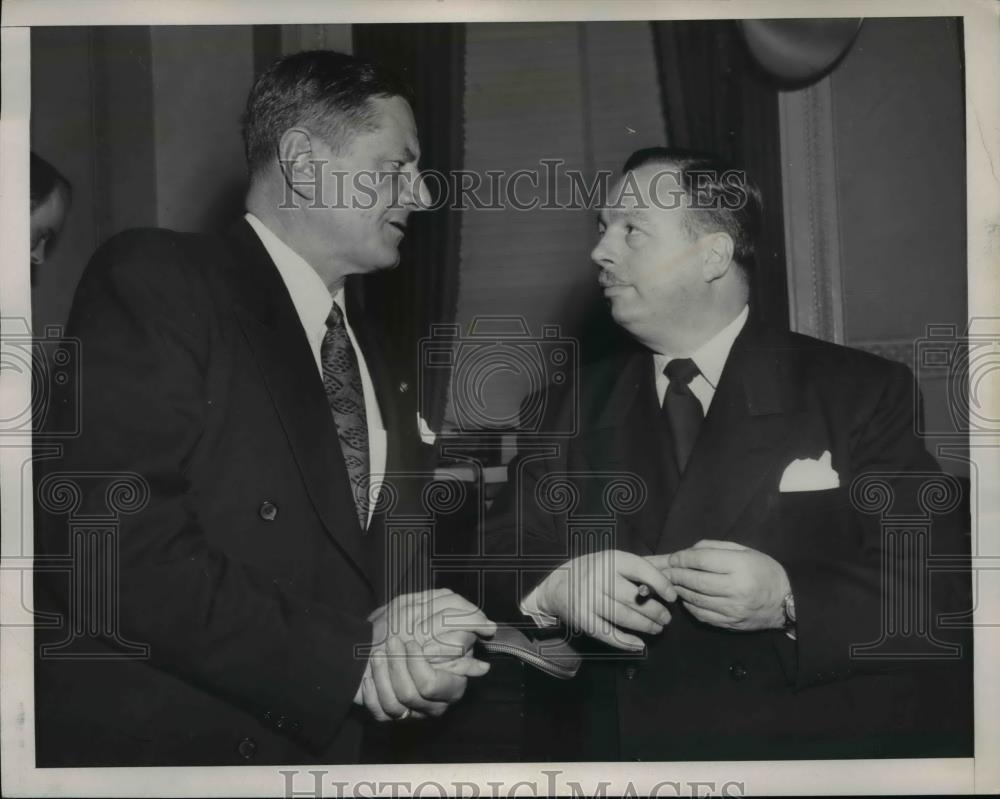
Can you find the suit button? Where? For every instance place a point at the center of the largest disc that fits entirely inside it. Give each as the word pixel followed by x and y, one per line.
pixel 247 748
pixel 738 671
pixel 630 673
pixel 268 511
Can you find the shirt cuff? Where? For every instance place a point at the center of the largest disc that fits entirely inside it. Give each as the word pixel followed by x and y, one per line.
pixel 529 607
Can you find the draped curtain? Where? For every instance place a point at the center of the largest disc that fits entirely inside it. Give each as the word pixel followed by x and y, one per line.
pixel 423 290
pixel 716 99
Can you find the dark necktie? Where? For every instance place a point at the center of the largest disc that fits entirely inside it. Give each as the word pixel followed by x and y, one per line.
pixel 342 381
pixel 681 408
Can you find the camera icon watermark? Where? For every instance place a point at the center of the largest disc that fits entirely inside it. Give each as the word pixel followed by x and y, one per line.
pixel 969 366
pixel 53 362
pixel 501 348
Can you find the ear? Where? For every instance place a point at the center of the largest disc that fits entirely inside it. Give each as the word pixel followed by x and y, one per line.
pixel 717 255
pixel 297 161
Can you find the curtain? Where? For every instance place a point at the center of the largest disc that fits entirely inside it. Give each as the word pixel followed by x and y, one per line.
pixel 423 290
pixel 716 99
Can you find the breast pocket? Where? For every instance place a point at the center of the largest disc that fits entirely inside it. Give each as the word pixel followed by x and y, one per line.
pixel 804 522
pixel 807 502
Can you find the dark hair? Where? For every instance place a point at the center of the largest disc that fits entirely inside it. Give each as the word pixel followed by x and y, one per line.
pixel 720 196
pixel 44 180
pixel 322 90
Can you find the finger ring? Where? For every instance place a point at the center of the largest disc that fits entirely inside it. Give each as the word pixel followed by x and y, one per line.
pixel 406 714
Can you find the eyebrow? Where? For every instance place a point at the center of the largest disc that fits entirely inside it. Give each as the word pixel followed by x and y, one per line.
pixel 603 216
pixel 642 216
pixel 393 154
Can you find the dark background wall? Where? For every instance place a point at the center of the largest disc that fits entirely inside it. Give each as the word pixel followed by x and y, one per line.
pixel 145 124
pixel 899 134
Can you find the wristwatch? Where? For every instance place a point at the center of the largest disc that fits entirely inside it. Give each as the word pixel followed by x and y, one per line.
pixel 788 606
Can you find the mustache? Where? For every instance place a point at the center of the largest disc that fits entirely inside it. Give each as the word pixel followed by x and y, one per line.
pixel 606 280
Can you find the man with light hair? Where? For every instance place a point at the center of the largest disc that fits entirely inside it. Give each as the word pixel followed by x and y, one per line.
pixel 232 377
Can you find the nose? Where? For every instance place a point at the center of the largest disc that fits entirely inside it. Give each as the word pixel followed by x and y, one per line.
pixel 416 195
pixel 424 194
pixel 38 254
pixel 602 255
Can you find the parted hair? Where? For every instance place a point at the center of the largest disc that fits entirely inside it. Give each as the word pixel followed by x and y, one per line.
pixel 324 91
pixel 44 179
pixel 720 196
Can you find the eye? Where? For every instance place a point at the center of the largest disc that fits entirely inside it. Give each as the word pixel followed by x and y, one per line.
pixel 601 227
pixel 396 165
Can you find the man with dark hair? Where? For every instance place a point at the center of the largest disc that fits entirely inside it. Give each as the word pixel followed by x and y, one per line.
pixel 743 606
pixel 49 204
pixel 719 194
pixel 255 616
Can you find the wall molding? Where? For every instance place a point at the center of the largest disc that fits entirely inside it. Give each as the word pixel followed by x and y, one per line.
pixel 812 221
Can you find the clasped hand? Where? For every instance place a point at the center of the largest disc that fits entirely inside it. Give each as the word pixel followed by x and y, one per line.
pixel 598 594
pixel 721 583
pixel 728 585
pixel 421 657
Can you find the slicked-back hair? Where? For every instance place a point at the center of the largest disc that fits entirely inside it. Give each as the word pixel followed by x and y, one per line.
pixel 721 198
pixel 326 92
pixel 43 180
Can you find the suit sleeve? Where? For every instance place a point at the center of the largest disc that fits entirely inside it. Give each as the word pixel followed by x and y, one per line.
pixel 846 596
pixel 143 316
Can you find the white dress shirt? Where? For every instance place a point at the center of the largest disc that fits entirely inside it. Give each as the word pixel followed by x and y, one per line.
pixel 313 303
pixel 710 358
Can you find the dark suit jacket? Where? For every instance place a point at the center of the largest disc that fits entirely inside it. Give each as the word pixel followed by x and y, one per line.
pixel 246 572
pixel 701 692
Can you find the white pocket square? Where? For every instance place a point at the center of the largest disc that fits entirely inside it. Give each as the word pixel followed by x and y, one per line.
pixel 427 435
pixel 809 474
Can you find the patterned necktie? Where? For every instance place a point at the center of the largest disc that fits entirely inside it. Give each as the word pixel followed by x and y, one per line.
pixel 342 381
pixel 681 408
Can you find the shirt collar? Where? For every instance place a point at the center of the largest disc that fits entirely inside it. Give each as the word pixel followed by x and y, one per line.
pixel 710 357
pixel 309 293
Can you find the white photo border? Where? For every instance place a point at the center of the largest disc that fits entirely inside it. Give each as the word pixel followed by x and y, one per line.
pixel 20 777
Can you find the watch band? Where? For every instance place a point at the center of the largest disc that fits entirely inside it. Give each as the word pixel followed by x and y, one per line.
pixel 788 607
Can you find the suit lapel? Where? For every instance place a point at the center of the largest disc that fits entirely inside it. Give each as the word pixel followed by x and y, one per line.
pixel 405 469
pixel 274 333
pixel 748 429
pixel 626 436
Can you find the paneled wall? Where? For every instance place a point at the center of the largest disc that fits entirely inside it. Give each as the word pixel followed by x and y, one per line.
pixel 546 91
